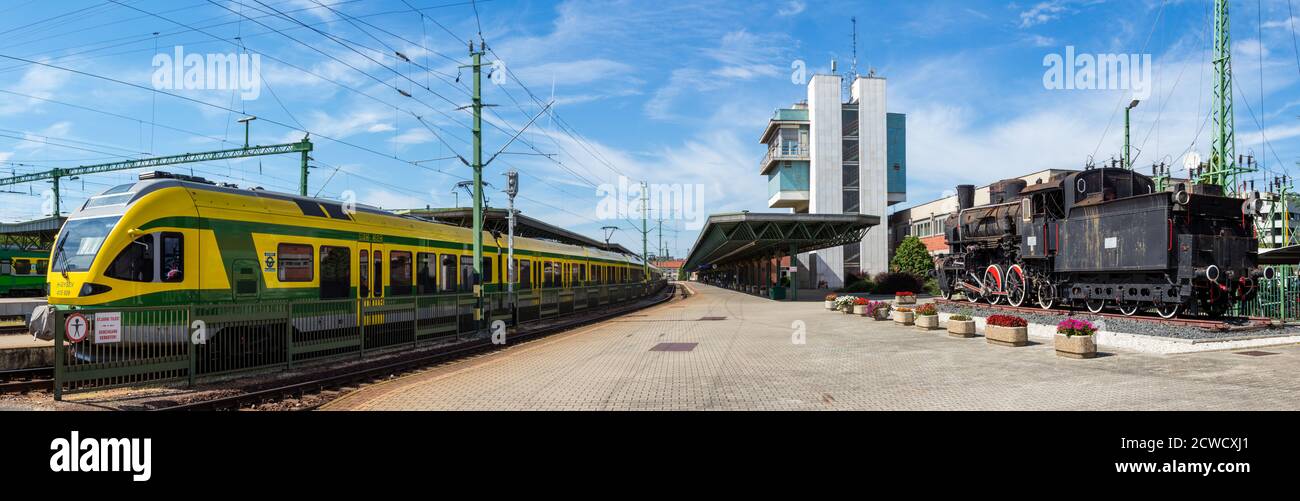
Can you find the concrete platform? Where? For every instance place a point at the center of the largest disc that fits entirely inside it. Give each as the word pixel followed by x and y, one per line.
pixel 14 306
pixel 22 351
pixel 732 351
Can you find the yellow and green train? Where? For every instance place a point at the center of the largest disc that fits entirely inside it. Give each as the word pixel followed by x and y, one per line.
pixel 177 240
pixel 22 272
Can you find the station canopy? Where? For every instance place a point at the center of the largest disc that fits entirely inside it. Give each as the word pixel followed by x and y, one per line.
pixel 38 234
pixel 1280 255
pixel 746 236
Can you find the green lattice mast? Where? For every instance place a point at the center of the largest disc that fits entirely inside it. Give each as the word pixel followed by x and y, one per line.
pixel 1223 168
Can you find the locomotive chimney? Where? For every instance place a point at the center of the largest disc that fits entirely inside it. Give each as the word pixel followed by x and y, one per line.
pixel 965 196
pixel 1011 188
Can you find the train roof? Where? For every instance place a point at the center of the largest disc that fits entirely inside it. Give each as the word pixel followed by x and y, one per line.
pixel 117 199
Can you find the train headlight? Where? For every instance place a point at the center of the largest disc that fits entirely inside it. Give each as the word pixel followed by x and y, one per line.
pixel 89 289
pixel 1181 197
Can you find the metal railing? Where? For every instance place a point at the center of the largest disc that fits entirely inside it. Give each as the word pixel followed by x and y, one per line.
pixel 98 348
pixel 784 151
pixel 1277 298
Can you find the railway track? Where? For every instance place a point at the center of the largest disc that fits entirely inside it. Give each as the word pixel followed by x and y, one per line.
pixel 1220 324
pixel 346 379
pixel 26 380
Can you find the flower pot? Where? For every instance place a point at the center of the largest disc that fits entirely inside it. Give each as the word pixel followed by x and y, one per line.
pixel 830 306
pixel 905 299
pixel 927 322
pixel 961 328
pixel 904 317
pixel 860 309
pixel 882 314
pixel 848 309
pixel 1007 336
pixel 1076 346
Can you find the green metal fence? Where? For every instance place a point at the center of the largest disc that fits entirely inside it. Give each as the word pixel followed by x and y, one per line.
pixel 1276 298
pixel 98 348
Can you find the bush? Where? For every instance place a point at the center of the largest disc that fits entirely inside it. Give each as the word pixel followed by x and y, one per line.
pixel 912 257
pixel 959 318
pixel 1007 321
pixel 932 287
pixel 875 306
pixel 860 287
pixel 927 309
pixel 1075 327
pixel 893 283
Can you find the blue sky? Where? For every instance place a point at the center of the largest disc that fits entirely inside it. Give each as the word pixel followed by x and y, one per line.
pixel 667 92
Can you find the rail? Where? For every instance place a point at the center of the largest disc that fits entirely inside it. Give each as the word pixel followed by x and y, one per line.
pixel 136 346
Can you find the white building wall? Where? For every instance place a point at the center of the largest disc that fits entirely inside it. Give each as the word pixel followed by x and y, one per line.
pixel 873 194
pixel 824 176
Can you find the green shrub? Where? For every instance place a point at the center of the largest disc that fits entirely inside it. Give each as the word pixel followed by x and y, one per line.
pixel 912 257
pixel 959 318
pixel 891 283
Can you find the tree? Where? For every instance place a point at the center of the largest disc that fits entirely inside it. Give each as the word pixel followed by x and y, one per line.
pixel 912 257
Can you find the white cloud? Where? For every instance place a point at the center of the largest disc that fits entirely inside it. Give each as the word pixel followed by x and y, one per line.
pixel 792 8
pixel 36 141
pixel 38 81
pixel 413 136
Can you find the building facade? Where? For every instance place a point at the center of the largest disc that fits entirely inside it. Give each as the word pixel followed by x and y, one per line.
pixel 836 154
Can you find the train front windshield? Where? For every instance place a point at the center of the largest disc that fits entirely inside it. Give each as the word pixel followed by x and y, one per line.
pixel 80 241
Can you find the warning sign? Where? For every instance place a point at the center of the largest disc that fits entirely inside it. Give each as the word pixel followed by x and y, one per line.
pixel 108 327
pixel 76 327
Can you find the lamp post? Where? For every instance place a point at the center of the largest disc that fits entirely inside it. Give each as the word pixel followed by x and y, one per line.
pixel 1127 159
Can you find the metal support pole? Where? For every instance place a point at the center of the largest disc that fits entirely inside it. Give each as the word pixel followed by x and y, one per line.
pixel 302 179
pixel 477 166
pixel 645 233
pixel 55 180
pixel 794 268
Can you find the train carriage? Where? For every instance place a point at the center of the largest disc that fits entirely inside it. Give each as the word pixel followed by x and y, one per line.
pixel 22 272
pixel 172 241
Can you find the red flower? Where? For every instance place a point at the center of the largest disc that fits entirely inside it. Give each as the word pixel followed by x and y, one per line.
pixel 1007 321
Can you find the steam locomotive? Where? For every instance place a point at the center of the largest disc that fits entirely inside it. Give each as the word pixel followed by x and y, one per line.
pixel 1106 238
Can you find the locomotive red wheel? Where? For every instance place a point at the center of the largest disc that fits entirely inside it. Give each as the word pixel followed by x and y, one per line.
pixel 1095 305
pixel 992 277
pixel 1017 288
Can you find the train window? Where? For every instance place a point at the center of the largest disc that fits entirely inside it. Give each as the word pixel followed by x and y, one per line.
pixel 335 272
pixel 487 270
pixel 22 267
pixel 582 273
pixel 546 274
pixel 42 266
pixel 1026 209
pixel 399 269
pixel 377 287
pixel 295 263
pixel 466 273
pixel 86 237
pixel 172 257
pixel 448 273
pixel 426 275
pixel 6 267
pixel 363 271
pixel 525 272
pixel 134 263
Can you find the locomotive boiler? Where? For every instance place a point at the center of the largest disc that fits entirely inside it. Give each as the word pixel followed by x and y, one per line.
pixel 1104 238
